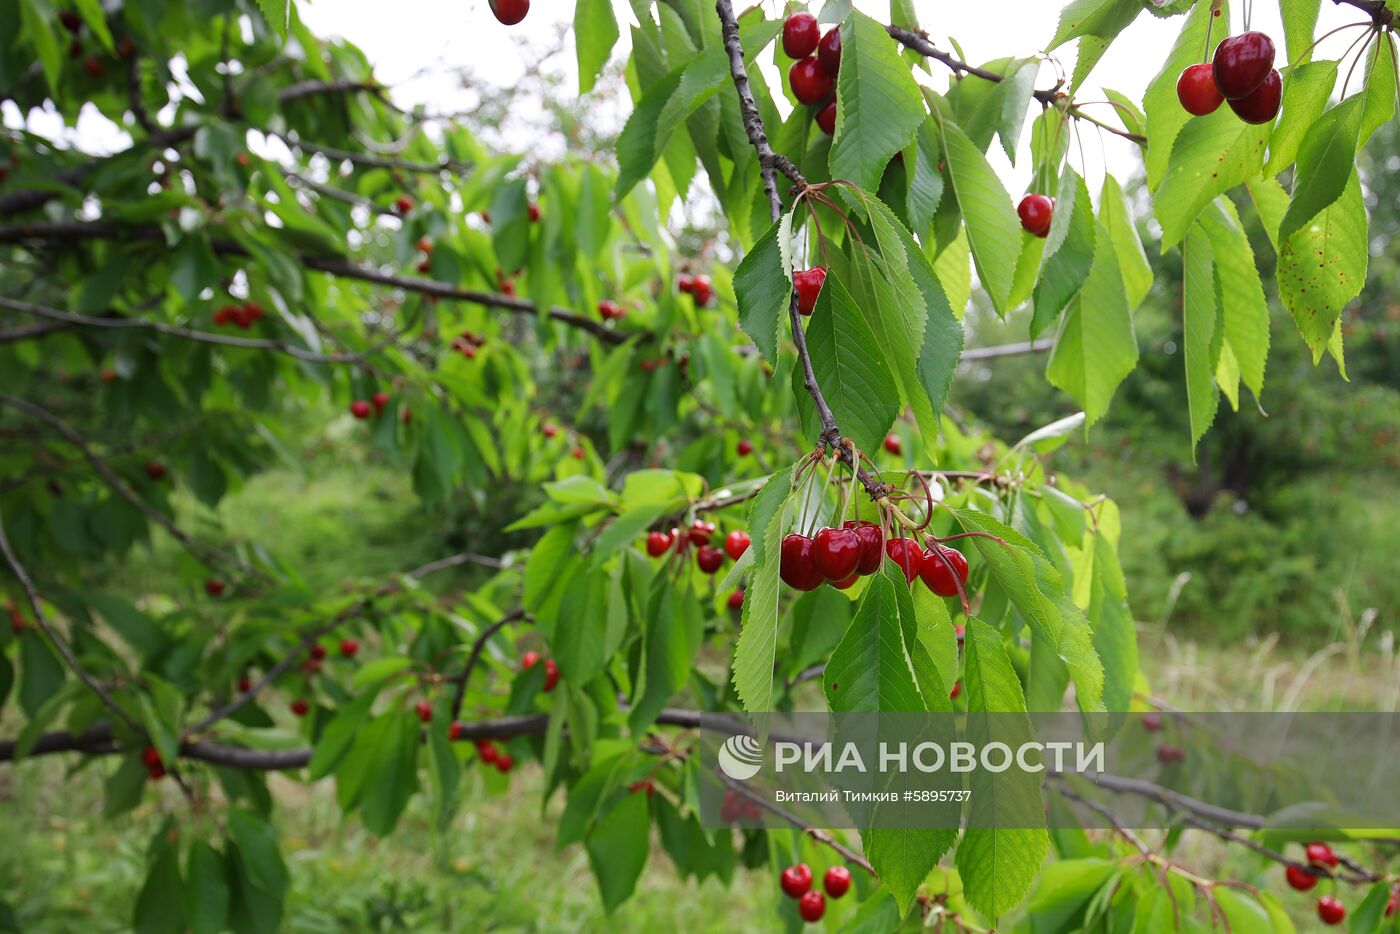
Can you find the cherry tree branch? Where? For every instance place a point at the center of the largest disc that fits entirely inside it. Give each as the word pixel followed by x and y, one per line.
pixel 478 647
pixel 366 159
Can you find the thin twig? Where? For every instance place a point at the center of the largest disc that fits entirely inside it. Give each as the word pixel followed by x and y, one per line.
pixel 477 648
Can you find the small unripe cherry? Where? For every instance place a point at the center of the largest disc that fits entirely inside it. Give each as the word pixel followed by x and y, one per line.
pixel 424 711
pixel 808 284
pixel 826 118
pixel 1036 212
pixel 894 445
pixel 1330 910
pixel 800 35
pixel 837 881
pixel 348 647
pixel 736 543
pixel 551 675
pixel 812 906
pixel 360 409
pixel 796 881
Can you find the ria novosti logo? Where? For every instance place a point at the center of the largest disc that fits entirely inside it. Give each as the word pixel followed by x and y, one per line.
pixel 741 757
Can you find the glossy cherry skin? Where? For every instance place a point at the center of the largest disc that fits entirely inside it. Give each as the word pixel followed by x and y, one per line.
pixel 685 282
pixel 1300 879
pixel 736 543
pixel 810 82
pixel 1196 90
pixel 836 553
pixel 1330 910
pixel 800 35
pixel 702 290
pixel 551 675
pixel 744 447
pixel 529 660
pixel 826 118
pixel 701 531
pixel 795 566
pixel 424 710
pixel 812 906
pixel 893 445
pixel 736 600
pixel 938 574
pixel 360 409
pixel 808 283
pixel 829 51
pixel 1321 854
pixel 504 762
pixel 510 12
pixel 1036 212
pixel 796 880
pixel 609 310
pixel 380 399
pixel 1241 63
pixel 709 559
pixel 846 583
pixel 872 545
pixel 837 881
pixel 657 543
pixel 1261 104
pixel 348 648
pixel 906 553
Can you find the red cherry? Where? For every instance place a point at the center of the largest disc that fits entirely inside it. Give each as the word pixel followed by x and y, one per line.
pixel 826 118
pixel 1036 212
pixel 424 710
pixel 1300 879
pixel 360 409
pixel 871 545
pixel 1321 854
pixel 425 245
pixel 380 399
pixel 836 553
pixel 454 732
pixel 736 543
pixel 214 588
pixel 905 553
pixel 610 309
pixel 504 763
pixel 406 416
pixel 837 881
pixel 685 282
pixel 1196 90
pixel 300 707
pixel 846 583
pixel 957 689
pixel 348 647
pixel 551 675
pixel 1241 63
pixel 658 543
pixel 1170 755
pixel 829 51
pixel 508 287
pixel 533 211
pixel 1393 905
pixel 808 283
pixel 403 204
pixel 156 772
pixel 893 444
pixel 938 574
pixel 812 906
pixel 425 266
pixel 108 375
pixel 810 82
pixel 578 453
pixel 245 685
pixel 93 67
pixel 71 21
pixel 1152 721
pixel 801 35
pixel 252 311
pixel 529 660
pixel 510 12
pixel 702 291
pixel 317 651
pixel 548 430
pixel 795 565
pixel 486 751
pixel 796 880
pixel 744 447
pixel 701 532
pixel 155 470
pixel 1330 910
pixel 709 559
pixel 648 787
pixel 1261 104
pixel 150 757
pixel 310 665
pixel 736 600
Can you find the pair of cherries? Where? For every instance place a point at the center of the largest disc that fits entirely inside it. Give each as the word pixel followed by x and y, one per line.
pixel 610 310
pixel 1242 73
pixel 699 287
pixel 551 669
pixel 796 882
pixel 842 555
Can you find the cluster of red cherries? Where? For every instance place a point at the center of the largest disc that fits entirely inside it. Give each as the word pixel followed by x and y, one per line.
pixel 700 534
pixel 610 310
pixel 241 316
pixel 813 76
pixel 1330 909
pixel 1242 73
pixel 698 287
pixel 362 410
pixel 796 882
pixel 843 555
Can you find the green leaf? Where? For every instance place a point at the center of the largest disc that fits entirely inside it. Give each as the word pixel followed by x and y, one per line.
pixel 762 286
pixel 617 849
pixel 444 773
pixel 1325 160
pixel 993 231
pixel 881 106
pixel 257 845
pixel 40 671
pixel 1002 849
pixel 1068 253
pixel 869 670
pixel 1063 892
pixel 1306 89
pixel 855 381
pixel 206 890
pixel 277 13
pixel 40 28
pixel 757 649
pixel 638 146
pixel 159 908
pixel 1212 155
pixel 595 34
pixel 1165 115
pixel 1381 84
pixel 391 775
pixel 670 640
pixel 1117 220
pixel 1244 310
pixel 1096 347
pixel 1323 267
pixel 1102 18
pixel 339 734
pixel 1299 24
pixel 378 671
pixel 1243 914
pixel 581 628
pixel 1199 312
pixel 1115 633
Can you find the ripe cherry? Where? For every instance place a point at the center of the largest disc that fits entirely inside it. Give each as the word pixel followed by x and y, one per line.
pixel 93 67
pixel 578 453
pixel 736 600
pixel 1321 854
pixel 406 416
pixel 829 51
pixel 74 23
pixel 403 204
pixel 454 732
pixel 826 118
pixel 796 880
pixel 893 444
pixel 1241 63
pixel 424 710
pixel 551 675
pixel 801 35
pixel 609 310
pixel 744 447
pixel 150 757
pixel 425 245
pixel 658 543
pixel 701 532
pixel 702 290
pixel 486 751
pixel 510 12
pixel 709 559
pixel 360 409
pixel 736 543
pixel 646 786
pixel 504 762
pixel 1196 90
pixel 532 210
pixel 812 906
pixel 795 564
pixel 1170 755
pixel 1393 905
pixel 348 647
pixel 300 708
pixel 1152 721
pixel 213 587
pixel 380 399
pixel 1330 910
pixel 425 266
pixel 837 881
pixel 872 547
pixel 938 573
pixel 836 553
pixel 245 684
pixel 1260 105
pixel 529 660
pixel 252 312
pixel 317 652
pixel 156 772
pixel 845 583
pixel 155 470
pixel 1036 212
pixel 957 689
pixel 808 283
pixel 810 82
pixel 1300 879
pixel 905 553
pixel 685 282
